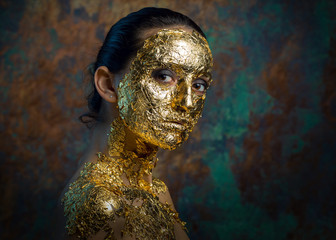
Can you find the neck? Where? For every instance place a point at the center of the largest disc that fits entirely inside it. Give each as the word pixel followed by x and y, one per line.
pixel 136 157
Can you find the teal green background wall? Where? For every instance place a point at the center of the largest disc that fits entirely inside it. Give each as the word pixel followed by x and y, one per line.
pixel 259 165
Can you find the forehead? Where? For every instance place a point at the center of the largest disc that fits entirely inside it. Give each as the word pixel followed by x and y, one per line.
pixel 176 48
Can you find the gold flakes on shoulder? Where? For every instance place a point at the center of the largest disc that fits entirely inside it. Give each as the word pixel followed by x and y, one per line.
pixel 99 196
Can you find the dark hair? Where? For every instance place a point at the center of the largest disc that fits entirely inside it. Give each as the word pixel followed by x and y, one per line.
pixel 123 41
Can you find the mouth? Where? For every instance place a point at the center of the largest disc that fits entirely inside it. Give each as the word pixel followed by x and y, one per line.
pixel 176 124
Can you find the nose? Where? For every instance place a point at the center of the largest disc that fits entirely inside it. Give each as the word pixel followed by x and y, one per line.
pixel 183 98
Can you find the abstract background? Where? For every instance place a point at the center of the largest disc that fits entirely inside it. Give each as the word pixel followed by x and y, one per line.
pixel 259 165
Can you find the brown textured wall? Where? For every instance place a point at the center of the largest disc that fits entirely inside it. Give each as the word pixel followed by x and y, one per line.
pixel 260 164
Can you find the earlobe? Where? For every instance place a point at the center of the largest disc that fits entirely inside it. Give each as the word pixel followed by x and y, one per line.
pixel 104 81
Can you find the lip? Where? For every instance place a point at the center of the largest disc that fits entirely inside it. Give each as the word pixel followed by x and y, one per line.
pixel 175 125
pixel 177 122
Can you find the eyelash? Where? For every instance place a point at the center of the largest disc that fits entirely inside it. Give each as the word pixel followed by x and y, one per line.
pixel 204 84
pixel 158 74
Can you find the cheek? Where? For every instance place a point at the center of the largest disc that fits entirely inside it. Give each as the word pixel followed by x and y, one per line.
pixel 198 107
pixel 155 94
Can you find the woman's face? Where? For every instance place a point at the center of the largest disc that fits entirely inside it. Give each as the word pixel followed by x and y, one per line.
pixel 162 96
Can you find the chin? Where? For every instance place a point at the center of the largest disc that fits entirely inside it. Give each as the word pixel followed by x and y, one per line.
pixel 170 141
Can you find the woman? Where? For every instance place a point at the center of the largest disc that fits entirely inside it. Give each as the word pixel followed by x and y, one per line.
pixel 150 79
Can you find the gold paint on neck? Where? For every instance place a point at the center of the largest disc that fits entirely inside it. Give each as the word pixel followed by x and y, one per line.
pixel 138 163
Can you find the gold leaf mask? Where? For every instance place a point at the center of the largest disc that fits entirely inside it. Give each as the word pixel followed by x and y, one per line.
pixel 162 96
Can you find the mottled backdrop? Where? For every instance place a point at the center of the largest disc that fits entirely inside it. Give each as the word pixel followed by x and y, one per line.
pixel 261 163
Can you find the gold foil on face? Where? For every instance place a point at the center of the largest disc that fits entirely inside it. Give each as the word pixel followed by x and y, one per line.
pixel 164 115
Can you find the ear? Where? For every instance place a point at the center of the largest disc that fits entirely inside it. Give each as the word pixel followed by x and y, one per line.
pixel 105 82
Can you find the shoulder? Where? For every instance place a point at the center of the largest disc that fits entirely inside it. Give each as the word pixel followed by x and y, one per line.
pixel 164 195
pixel 91 202
pixel 162 191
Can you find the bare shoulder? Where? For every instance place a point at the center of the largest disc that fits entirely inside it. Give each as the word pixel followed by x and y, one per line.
pixel 91 203
pixel 98 205
pixel 162 191
pixel 164 196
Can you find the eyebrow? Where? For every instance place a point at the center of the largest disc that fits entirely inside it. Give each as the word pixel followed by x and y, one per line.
pixel 172 66
pixel 186 68
pixel 207 76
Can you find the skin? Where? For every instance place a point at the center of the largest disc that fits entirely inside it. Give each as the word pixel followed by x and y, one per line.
pixel 106 84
